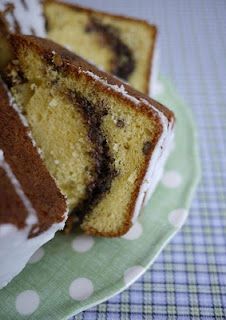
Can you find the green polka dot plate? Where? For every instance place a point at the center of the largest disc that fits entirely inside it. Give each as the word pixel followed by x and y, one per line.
pixel 73 273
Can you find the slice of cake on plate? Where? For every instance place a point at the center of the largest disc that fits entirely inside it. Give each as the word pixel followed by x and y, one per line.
pixel 123 46
pixel 102 140
pixel 32 208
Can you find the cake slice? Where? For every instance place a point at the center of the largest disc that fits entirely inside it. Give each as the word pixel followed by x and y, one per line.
pixel 32 208
pixel 58 92
pixel 120 45
pixel 76 152
pixel 64 124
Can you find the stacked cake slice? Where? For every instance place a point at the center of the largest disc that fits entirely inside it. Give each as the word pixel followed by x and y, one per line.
pixel 119 45
pixel 32 208
pixel 123 46
pixel 101 139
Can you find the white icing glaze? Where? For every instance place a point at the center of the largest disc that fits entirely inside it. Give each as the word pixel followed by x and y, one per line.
pixel 120 89
pixel 28 14
pixel 159 168
pixel 16 107
pixel 15 246
pixel 16 249
pixel 154 71
pixel 155 166
pixel 1 156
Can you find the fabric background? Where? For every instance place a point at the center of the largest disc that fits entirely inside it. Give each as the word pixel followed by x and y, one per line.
pixel 188 280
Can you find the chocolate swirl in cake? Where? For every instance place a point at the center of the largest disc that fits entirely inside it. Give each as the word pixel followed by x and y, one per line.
pixel 104 171
pixel 104 163
pixel 123 63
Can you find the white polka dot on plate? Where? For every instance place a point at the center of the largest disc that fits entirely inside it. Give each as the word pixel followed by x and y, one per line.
pixel 134 233
pixel 37 256
pixel 27 302
pixel 177 217
pixel 81 289
pixel 132 274
pixel 82 243
pixel 171 179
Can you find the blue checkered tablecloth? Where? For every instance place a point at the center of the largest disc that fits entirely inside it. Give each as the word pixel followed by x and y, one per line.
pixel 188 280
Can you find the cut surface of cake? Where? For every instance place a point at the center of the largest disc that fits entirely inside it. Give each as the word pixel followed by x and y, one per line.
pixel 130 132
pixel 119 45
pixel 64 123
pixel 32 208
pixel 123 46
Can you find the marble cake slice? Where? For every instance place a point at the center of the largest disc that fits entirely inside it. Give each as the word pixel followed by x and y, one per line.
pixel 60 93
pixel 123 46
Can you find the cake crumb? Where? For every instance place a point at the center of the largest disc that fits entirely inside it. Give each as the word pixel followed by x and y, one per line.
pixel 15 62
pixel 57 60
pixel 126 146
pixel 120 123
pixel 132 178
pixel 115 147
pixel 53 103
pixel 33 86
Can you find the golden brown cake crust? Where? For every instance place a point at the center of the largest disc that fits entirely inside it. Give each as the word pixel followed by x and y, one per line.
pixel 27 166
pixel 152 28
pixel 75 65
